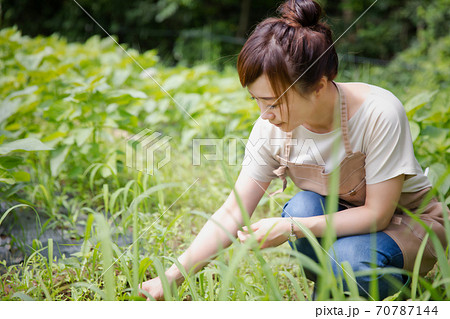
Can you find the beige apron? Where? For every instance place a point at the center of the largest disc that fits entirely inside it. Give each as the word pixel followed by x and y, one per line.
pixel 407 233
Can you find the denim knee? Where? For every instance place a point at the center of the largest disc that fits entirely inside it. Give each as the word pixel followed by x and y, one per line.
pixel 345 249
pixel 304 204
pixel 359 253
pixel 366 251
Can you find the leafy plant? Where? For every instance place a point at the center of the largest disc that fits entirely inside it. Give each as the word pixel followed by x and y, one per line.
pixel 68 111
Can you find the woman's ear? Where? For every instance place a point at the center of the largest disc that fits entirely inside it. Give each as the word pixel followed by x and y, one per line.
pixel 322 86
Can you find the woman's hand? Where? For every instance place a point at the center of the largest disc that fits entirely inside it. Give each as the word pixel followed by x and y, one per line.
pixel 154 288
pixel 276 229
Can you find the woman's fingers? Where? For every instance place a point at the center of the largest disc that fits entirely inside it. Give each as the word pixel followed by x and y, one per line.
pixel 253 227
pixel 244 234
pixel 269 230
pixel 154 289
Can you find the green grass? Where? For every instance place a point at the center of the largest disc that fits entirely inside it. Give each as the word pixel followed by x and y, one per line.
pixel 77 99
pixel 240 272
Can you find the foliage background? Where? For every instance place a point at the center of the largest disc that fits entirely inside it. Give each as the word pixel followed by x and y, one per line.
pixel 193 30
pixel 67 107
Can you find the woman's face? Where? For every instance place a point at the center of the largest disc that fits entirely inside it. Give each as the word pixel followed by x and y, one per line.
pixel 287 117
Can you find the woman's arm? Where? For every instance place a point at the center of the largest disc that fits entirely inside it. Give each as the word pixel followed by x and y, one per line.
pixel 376 214
pixel 381 202
pixel 213 237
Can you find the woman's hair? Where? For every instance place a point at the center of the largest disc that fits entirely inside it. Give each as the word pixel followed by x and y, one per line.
pixel 295 47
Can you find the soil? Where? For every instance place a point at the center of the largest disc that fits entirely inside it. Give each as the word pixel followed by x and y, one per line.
pixel 18 231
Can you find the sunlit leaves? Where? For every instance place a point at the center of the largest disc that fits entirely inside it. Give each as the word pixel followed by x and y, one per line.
pixel 26 144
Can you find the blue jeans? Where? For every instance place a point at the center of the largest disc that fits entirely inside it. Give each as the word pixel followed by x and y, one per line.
pixel 357 250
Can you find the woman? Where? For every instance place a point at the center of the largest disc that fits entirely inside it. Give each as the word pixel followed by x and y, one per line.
pixel 288 65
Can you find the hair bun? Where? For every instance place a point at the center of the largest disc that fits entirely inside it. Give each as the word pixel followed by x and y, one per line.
pixel 304 13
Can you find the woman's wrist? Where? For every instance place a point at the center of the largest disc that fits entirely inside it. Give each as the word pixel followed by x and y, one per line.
pixel 173 274
pixel 292 236
pixel 296 229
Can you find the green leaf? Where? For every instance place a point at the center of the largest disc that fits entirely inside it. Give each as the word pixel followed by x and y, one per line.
pixel 166 11
pixel 53 136
pixel 22 296
pixel 105 171
pixel 27 91
pixel 32 61
pixel 10 161
pixel 6 177
pixel 133 93
pixel 120 76
pixel 26 144
pixel 8 108
pixel 436 135
pixel 13 127
pixel 415 130
pixel 110 166
pixel 12 190
pixel 112 162
pixel 418 101
pixel 174 82
pixel 21 176
pixel 437 171
pixel 82 134
pixel 58 158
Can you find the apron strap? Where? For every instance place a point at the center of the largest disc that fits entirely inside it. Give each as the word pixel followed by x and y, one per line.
pixel 287 146
pixel 344 119
pixel 281 171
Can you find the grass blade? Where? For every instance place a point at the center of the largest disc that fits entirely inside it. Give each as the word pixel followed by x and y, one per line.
pixel 298 290
pixel 50 258
pixel 22 296
pixel 195 296
pixel 165 283
pixel 103 234
pixel 417 263
pixel 349 276
pixel 11 209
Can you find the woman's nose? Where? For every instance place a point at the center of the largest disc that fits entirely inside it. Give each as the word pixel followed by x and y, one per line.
pixel 267 115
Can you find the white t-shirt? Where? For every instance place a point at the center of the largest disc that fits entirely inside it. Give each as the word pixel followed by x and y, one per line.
pixel 379 129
